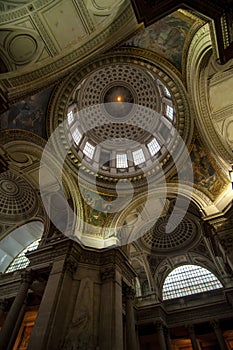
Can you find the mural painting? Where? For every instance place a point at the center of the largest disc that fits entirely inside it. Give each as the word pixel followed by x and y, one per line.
pixel 28 114
pixel 205 175
pixel 97 207
pixel 165 37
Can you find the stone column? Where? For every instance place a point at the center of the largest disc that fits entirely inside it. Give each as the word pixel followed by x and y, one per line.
pixel 48 330
pixel 137 338
pixel 17 326
pixel 161 337
pixel 193 338
pixel 111 319
pixel 131 341
pixel 219 335
pixel 167 338
pixel 2 307
pixel 12 316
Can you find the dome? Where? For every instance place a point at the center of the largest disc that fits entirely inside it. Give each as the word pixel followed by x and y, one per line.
pixel 113 127
pixel 17 198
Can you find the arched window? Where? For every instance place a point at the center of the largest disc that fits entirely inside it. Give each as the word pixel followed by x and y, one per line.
pixel 187 280
pixel 21 261
pixel 145 288
pixel 138 287
pixel 17 241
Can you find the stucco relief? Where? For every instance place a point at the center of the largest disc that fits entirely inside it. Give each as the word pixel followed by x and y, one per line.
pixel 80 334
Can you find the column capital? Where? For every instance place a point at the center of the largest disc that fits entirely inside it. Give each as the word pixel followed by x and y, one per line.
pixel 70 266
pixel 108 274
pixel 27 276
pixel 215 324
pixel 129 292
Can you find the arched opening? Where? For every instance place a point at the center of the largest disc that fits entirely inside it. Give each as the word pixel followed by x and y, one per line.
pixel 18 242
pixel 187 280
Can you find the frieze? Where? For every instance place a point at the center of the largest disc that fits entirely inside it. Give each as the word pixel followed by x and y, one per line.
pixel 41 3
pixel 193 315
pixel 13 14
pixel 88 257
pixel 45 255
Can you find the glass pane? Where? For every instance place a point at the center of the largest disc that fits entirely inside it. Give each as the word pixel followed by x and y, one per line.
pixel 89 150
pixel 70 117
pixel 167 92
pixel 138 157
pixel 169 112
pixel 121 161
pixel 187 280
pixel 76 136
pixel 154 147
pixel 20 262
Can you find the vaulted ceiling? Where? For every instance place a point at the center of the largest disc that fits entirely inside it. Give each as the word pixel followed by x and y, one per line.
pixel 48 48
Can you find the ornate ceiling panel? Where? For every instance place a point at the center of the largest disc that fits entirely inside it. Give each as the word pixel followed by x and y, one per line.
pixel 35 45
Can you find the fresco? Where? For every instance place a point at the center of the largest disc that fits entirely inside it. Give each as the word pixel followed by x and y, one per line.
pixel 28 114
pixel 165 37
pixel 205 176
pixel 96 208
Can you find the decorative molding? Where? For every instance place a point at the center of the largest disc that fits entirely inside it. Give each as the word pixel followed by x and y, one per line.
pixel 198 62
pixel 167 73
pixel 108 274
pixel 19 84
pixel 70 266
pixel 44 33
